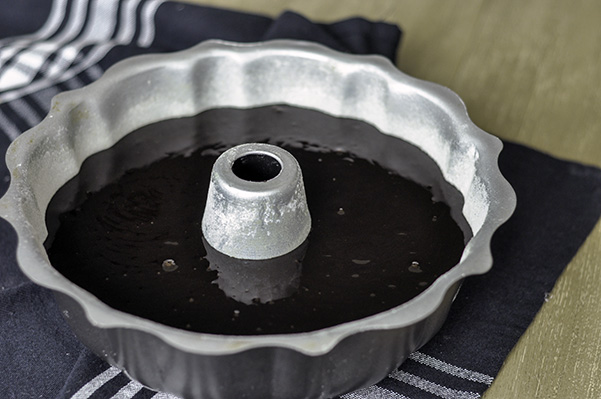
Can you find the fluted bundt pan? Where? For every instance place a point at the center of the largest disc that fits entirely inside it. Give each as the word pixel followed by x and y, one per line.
pixel 151 88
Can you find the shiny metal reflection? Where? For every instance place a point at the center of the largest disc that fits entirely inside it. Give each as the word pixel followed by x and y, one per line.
pixel 257 281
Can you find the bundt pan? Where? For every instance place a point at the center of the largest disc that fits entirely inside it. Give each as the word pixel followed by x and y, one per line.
pixel 216 74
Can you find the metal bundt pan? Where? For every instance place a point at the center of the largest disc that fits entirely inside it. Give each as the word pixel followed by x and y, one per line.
pixel 146 89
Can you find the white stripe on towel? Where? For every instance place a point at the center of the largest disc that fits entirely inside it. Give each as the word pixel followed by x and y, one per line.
pixel 448 368
pixel 128 391
pixel 93 385
pixel 373 392
pixel 433 388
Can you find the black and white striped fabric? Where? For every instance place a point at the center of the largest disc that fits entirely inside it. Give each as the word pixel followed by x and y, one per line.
pixel 49 47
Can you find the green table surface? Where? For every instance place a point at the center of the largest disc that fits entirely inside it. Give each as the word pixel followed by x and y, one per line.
pixel 530 72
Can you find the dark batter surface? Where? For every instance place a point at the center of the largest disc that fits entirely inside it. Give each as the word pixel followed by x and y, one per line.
pixel 377 239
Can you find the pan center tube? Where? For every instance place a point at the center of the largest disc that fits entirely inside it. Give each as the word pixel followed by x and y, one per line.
pixel 256 205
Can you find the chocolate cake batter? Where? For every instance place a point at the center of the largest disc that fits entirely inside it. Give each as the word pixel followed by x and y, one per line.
pixel 127 228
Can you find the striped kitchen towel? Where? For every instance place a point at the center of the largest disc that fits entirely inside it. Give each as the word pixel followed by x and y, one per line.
pixel 48 47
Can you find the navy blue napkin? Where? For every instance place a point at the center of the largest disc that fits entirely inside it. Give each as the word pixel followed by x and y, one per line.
pixel 558 202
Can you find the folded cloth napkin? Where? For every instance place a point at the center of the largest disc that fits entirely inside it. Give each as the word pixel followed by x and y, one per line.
pixel 74 41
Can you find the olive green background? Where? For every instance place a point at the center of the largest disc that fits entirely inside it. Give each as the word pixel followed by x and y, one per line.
pixel 528 71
